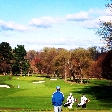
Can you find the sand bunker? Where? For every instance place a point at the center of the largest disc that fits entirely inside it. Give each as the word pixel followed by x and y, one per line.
pixel 39 82
pixel 6 86
pixel 53 79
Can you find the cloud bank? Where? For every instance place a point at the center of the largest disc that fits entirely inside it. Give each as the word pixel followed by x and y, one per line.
pixel 90 19
pixel 12 26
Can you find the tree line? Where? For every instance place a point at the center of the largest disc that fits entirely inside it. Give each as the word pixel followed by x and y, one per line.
pixel 76 63
pixel 13 61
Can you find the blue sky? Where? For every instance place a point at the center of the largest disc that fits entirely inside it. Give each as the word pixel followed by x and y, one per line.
pixel 65 24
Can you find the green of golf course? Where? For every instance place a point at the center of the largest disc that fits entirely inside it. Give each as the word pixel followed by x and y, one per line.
pixel 34 93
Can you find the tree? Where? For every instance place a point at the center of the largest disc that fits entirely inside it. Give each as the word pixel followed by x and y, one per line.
pixel 61 63
pixel 107 66
pixel 32 57
pixel 94 52
pixel 46 58
pixel 80 63
pixel 20 62
pixel 96 67
pixel 105 31
pixel 5 57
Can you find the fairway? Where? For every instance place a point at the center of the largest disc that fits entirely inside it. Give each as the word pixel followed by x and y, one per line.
pixel 37 96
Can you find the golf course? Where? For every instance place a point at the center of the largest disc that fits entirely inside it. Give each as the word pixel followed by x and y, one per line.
pixel 33 93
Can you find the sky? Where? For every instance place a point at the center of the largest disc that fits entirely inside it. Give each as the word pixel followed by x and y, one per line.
pixel 67 24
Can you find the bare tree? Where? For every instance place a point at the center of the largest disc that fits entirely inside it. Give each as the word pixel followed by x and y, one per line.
pixel 105 31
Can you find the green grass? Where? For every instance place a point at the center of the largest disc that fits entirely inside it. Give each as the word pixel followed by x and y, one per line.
pixel 38 96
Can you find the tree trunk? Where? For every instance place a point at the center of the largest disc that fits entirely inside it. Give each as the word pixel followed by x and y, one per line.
pixel 21 71
pixel 81 79
pixel 10 72
pixel 4 73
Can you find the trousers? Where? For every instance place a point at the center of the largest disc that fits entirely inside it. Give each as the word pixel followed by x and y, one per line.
pixel 57 108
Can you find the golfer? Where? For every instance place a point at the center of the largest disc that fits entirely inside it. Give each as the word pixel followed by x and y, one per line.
pixel 57 99
pixel 83 102
pixel 70 101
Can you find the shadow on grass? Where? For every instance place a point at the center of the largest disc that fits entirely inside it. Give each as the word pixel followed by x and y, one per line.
pixel 102 93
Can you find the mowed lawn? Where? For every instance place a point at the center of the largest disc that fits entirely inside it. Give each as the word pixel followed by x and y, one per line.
pixel 37 96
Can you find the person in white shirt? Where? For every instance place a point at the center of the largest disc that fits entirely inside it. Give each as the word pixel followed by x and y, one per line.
pixel 83 102
pixel 70 101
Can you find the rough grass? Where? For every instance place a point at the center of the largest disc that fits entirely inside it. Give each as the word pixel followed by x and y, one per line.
pixel 37 97
pixel 35 110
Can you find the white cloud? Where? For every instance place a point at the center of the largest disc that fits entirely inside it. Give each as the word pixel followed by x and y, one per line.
pixel 36 40
pixel 46 22
pixel 78 16
pixel 12 26
pixel 105 18
pixel 90 24
pixel 67 43
pixel 95 23
pixel 91 19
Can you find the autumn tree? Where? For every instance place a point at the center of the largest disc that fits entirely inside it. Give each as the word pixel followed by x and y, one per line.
pixel 107 66
pixel 61 63
pixel 80 63
pixel 94 52
pixel 96 67
pixel 32 58
pixel 105 31
pixel 47 60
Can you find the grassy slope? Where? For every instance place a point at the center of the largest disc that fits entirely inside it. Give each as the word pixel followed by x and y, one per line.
pixel 38 96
